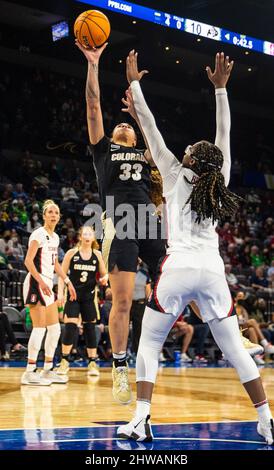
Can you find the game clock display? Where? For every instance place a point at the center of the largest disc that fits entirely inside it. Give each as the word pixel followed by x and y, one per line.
pixel 185 24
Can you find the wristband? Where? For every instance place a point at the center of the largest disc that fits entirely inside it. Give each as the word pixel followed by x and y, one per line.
pixel 67 280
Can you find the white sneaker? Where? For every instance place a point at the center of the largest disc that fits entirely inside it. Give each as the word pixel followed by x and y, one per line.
pixel 162 358
pixel 266 429
pixel 269 348
pixel 138 429
pixel 54 377
pixel 34 378
pixel 259 360
pixel 185 358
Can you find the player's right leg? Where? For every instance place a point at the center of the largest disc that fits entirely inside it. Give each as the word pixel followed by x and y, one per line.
pixel 38 317
pixel 71 320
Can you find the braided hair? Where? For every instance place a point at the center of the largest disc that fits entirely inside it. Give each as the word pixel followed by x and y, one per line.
pixel 210 198
pixel 156 192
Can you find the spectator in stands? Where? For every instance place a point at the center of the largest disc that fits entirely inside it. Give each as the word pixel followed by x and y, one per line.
pixel 232 255
pixel 182 328
pixel 231 278
pixel 250 326
pixel 70 240
pixel 244 256
pixel 4 246
pixel 33 223
pixel 20 209
pixel 257 258
pixel 270 271
pixel 14 223
pixel 15 247
pixel 19 193
pixel 201 331
pixel 237 237
pixel 69 194
pixel 4 263
pixel 258 280
pixel 67 226
pixel 6 331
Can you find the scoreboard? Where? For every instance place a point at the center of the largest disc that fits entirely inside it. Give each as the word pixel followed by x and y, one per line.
pixel 187 25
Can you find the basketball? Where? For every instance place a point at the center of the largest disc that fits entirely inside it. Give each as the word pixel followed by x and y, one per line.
pixel 92 28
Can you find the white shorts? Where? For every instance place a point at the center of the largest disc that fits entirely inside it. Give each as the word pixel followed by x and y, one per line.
pixel 32 293
pixel 197 276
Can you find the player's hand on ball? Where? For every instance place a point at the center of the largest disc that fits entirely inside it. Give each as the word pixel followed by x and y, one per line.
pixel 222 71
pixel 92 55
pixel 128 102
pixel 132 68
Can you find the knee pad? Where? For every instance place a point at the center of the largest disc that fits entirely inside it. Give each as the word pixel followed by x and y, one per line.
pixel 69 334
pixel 53 335
pixel 35 341
pixel 227 336
pixel 90 335
pixel 155 328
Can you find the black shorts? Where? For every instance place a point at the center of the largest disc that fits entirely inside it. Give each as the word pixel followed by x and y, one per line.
pixel 84 307
pixel 125 253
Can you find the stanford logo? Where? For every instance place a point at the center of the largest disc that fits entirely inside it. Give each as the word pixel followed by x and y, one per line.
pixel 33 298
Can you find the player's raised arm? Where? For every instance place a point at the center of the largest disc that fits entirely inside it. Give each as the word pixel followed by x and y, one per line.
pixel 163 158
pixel 219 78
pixel 94 112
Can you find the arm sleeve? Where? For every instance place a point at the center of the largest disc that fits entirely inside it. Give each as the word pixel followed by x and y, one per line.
pixel 223 124
pixel 164 159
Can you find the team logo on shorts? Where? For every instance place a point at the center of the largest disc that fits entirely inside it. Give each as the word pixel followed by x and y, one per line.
pixel 33 298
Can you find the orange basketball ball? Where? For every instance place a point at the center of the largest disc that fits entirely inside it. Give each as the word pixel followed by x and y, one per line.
pixel 92 28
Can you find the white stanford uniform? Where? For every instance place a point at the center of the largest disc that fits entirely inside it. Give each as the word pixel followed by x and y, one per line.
pixel 193 268
pixel 44 262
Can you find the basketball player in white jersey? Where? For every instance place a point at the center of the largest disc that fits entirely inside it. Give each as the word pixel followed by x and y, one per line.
pixel 41 262
pixel 196 198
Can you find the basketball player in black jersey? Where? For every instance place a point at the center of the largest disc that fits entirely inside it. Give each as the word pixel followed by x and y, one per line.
pixel 123 174
pixel 83 263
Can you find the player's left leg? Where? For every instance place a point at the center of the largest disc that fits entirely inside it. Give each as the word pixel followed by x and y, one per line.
pixel 89 315
pixel 51 342
pixel 227 336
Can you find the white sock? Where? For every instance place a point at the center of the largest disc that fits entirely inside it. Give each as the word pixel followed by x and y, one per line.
pixel 264 342
pixel 142 408
pixel 121 355
pixel 31 367
pixel 48 366
pixel 263 411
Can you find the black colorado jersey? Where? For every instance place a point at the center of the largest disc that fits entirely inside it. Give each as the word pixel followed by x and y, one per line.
pixel 121 172
pixel 82 274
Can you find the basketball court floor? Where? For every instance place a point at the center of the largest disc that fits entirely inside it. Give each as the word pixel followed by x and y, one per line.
pixel 193 408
